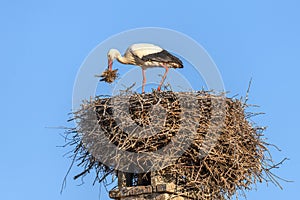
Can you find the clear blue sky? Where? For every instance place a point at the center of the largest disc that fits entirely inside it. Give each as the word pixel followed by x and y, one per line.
pixel 43 44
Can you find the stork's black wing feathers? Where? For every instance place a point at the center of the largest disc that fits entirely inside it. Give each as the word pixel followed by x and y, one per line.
pixel 165 57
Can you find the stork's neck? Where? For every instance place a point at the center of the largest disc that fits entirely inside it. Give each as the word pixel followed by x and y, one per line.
pixel 115 54
pixel 122 59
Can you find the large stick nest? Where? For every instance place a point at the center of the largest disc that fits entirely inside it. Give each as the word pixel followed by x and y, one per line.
pixel 226 153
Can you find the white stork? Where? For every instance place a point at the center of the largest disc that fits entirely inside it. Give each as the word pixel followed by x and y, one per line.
pixel 145 56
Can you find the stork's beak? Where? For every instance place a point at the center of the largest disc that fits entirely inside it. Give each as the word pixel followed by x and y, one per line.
pixel 110 62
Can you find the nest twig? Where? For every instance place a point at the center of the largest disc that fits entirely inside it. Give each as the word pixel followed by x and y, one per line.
pixel 109 76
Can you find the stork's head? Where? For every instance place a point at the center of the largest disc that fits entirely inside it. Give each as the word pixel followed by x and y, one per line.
pixel 111 55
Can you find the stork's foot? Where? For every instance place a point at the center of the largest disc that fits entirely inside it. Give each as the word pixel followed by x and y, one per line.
pixel 158 89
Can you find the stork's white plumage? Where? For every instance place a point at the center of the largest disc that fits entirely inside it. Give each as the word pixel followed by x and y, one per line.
pixel 145 56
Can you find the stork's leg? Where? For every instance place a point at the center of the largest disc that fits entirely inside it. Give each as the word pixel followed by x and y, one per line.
pixel 144 80
pixel 164 77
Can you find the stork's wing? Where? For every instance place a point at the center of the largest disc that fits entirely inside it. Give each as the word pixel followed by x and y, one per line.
pixel 164 57
pixel 143 49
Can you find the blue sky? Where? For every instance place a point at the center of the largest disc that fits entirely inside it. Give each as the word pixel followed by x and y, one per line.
pixel 43 44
